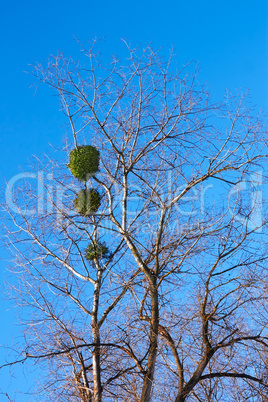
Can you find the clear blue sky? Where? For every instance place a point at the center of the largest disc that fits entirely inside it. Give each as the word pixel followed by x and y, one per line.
pixel 228 39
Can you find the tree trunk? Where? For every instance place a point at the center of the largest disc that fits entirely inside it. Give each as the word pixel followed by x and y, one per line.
pixel 148 381
pixel 97 388
pixel 96 365
pixel 180 398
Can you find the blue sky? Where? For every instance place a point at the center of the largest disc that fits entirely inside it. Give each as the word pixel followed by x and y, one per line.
pixel 228 39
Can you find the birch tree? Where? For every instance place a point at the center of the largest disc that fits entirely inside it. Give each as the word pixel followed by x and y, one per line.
pixel 175 308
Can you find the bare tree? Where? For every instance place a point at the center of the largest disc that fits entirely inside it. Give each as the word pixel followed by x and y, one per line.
pixel 175 306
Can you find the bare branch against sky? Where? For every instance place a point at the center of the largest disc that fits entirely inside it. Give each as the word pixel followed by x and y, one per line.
pixel 155 287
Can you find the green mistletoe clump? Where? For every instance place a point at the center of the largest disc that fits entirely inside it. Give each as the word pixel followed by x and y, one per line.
pixel 87 202
pixel 84 161
pixel 96 250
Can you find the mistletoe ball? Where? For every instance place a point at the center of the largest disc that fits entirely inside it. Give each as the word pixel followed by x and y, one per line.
pixel 84 162
pixel 96 250
pixel 87 202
